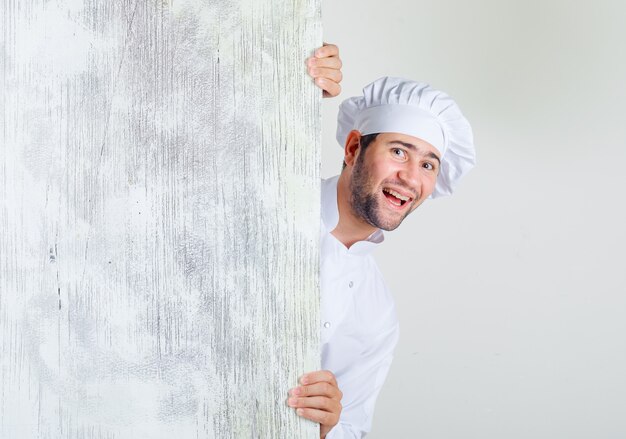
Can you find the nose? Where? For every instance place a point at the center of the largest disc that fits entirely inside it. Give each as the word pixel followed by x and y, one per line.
pixel 410 176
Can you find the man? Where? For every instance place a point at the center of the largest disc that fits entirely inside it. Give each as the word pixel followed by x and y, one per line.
pixel 403 142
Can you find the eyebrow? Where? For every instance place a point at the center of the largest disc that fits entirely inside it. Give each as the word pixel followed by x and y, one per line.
pixel 430 154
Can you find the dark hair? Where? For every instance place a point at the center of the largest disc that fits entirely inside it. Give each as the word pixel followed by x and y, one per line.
pixel 365 142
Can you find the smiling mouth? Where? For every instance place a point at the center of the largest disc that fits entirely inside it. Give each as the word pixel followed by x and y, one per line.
pixel 396 198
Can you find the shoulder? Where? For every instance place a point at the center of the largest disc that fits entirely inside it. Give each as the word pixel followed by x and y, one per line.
pixel 328 197
pixel 328 186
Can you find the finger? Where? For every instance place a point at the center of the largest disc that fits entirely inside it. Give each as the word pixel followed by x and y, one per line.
pixel 320 416
pixel 333 62
pixel 319 376
pixel 326 51
pixel 317 389
pixel 316 402
pixel 333 75
pixel 330 88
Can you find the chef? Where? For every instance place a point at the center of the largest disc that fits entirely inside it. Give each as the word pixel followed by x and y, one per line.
pixel 404 142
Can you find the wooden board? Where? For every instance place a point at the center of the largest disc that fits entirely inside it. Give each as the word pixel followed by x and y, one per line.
pixel 159 217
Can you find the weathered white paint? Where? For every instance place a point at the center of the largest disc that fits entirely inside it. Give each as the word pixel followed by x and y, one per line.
pixel 159 217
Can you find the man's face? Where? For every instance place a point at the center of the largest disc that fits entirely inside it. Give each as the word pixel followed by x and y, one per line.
pixel 393 176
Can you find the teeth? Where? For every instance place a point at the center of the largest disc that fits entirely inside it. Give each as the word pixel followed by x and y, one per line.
pixel 397 195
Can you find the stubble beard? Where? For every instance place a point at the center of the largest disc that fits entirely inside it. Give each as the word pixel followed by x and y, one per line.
pixel 365 199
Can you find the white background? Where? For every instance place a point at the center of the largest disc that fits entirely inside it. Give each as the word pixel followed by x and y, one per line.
pixel 512 292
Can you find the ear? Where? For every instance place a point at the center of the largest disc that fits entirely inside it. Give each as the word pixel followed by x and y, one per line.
pixel 351 150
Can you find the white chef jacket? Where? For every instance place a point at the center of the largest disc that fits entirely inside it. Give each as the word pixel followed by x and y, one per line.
pixel 359 321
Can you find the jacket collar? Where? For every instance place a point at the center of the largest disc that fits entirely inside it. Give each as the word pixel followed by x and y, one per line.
pixel 330 218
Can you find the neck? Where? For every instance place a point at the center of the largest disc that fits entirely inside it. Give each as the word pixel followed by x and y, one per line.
pixel 350 228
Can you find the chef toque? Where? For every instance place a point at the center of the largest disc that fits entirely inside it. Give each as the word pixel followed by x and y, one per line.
pixel 396 105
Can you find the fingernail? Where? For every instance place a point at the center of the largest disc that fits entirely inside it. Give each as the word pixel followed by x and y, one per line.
pixel 300 411
pixel 304 379
pixel 295 391
pixel 292 401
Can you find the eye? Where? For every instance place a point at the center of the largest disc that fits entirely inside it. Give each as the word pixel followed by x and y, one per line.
pixel 429 166
pixel 398 152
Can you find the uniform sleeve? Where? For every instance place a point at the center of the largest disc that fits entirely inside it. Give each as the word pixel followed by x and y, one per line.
pixel 362 384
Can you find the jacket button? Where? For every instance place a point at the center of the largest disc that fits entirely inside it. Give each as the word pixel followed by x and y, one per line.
pixel 351 284
pixel 326 325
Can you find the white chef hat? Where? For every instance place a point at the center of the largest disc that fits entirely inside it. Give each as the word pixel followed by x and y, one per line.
pixel 396 105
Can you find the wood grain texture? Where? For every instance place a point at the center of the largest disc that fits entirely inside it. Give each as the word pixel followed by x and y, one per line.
pixel 159 217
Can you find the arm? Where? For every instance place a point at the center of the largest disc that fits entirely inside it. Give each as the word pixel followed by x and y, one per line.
pixel 320 399
pixel 361 386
